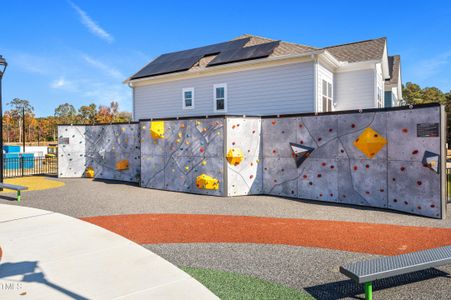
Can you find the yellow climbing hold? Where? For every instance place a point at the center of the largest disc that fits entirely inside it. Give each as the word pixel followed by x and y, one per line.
pixel 370 142
pixel 122 165
pixel 89 172
pixel 157 129
pixel 235 156
pixel 204 162
pixel 187 168
pixel 206 182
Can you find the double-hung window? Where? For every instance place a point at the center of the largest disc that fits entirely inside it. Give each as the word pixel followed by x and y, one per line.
pixel 188 98
pixel 327 96
pixel 220 97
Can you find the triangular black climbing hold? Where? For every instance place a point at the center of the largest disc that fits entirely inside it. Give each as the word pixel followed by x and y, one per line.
pixel 300 153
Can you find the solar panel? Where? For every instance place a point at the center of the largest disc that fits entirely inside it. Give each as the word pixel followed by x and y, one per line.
pixel 247 53
pixel 184 60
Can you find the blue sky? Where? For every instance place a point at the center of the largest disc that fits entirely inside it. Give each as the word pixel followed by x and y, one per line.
pixel 80 51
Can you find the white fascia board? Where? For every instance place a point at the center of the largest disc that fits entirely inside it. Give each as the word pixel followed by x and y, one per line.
pixel 227 68
pixel 329 61
pixel 385 70
pixel 362 65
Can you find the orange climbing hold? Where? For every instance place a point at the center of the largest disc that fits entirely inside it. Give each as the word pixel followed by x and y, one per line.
pixel 370 142
pixel 122 165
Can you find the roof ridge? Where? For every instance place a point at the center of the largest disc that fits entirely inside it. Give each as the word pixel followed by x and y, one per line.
pixel 352 43
pixel 248 35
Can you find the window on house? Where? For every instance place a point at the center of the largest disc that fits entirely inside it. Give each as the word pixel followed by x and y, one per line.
pixel 380 103
pixel 220 97
pixel 327 96
pixel 188 98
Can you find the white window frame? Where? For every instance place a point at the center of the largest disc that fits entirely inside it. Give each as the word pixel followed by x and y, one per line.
pixel 192 98
pixel 220 85
pixel 329 97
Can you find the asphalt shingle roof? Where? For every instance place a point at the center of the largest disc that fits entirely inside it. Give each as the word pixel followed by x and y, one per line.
pixel 394 63
pixel 352 52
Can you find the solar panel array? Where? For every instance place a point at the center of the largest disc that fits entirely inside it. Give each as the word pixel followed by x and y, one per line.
pixel 241 54
pixel 184 60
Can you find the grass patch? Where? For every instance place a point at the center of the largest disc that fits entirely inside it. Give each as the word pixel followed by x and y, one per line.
pixel 228 285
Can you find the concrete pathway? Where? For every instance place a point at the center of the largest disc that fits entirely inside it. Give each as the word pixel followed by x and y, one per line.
pixel 46 255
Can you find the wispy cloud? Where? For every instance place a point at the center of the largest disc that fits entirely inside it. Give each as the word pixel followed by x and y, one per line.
pixel 108 70
pixel 429 67
pixel 92 26
pixel 63 84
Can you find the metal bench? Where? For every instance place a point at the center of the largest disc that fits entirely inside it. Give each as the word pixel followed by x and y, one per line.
pixel 367 271
pixel 14 187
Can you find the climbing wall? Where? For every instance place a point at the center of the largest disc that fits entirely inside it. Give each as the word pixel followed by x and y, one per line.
pixel 183 155
pixel 113 151
pixel 244 157
pixel 376 158
pixel 387 159
pixel 71 151
pixel 414 161
pixel 110 151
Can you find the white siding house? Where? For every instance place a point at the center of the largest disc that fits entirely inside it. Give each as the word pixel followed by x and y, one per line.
pixel 289 79
pixel 280 89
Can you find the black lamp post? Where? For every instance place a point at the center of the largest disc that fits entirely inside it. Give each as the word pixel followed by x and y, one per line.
pixel 3 66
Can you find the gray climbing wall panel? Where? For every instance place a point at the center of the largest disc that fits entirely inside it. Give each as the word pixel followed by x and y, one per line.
pixel 186 150
pixel 371 159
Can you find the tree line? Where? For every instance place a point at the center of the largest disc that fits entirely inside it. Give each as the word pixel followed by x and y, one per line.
pixel 414 94
pixel 44 129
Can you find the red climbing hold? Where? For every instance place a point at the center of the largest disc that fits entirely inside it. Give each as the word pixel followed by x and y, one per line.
pixel 201 149
pixel 252 176
pixel 419 182
pixel 415 152
pixel 323 164
pixel 355 168
pixel 353 125
pixel 405 130
pixel 273 122
pixel 402 169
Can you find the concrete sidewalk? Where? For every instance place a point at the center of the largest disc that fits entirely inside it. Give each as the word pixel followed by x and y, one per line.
pixel 46 255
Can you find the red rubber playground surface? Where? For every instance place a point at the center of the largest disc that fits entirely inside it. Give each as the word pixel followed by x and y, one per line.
pixel 379 239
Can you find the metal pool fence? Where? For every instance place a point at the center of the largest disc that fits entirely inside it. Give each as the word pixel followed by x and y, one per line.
pixel 27 166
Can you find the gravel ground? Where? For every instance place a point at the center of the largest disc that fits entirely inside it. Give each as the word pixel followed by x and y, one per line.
pixel 85 197
pixel 310 269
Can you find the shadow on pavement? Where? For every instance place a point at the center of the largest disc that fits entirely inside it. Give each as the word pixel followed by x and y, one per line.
pixel 32 273
pixel 350 289
pixel 9 198
pixel 110 181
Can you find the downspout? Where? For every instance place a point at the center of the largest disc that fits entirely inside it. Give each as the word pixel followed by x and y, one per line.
pixel 315 82
pixel 130 85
